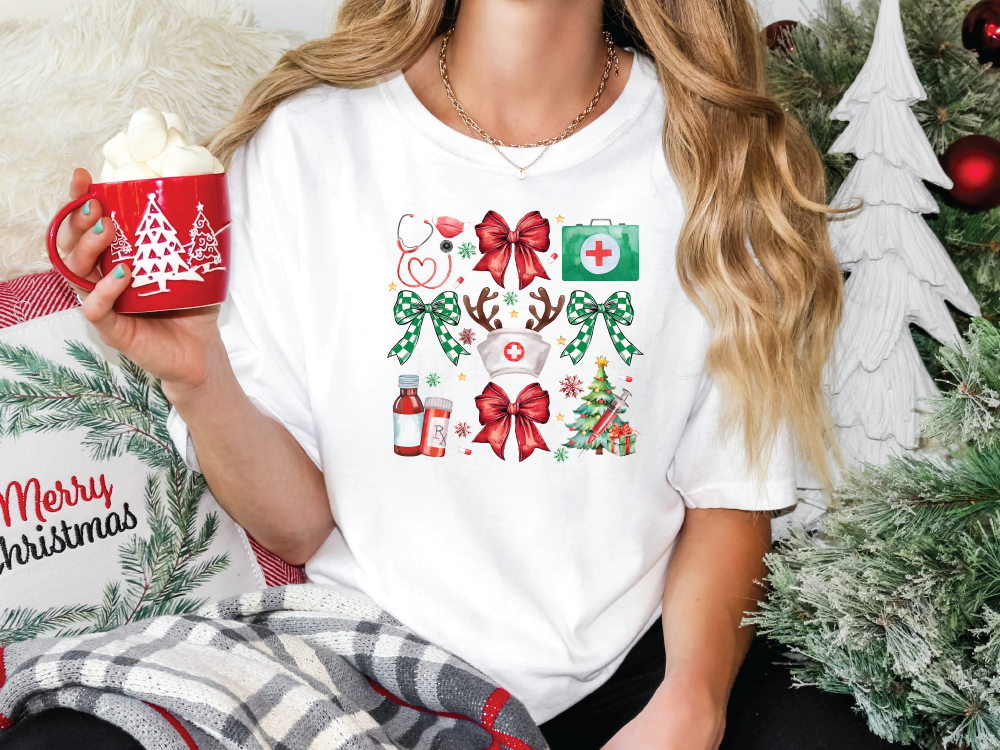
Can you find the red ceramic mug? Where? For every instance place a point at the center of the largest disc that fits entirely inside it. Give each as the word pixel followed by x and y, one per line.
pixel 172 233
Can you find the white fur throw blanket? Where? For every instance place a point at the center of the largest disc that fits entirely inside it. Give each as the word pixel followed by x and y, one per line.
pixel 68 85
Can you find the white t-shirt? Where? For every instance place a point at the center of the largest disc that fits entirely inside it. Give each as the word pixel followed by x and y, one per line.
pixel 541 572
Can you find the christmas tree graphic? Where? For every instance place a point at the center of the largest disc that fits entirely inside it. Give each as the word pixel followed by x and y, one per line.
pixel 595 403
pixel 159 257
pixel 203 251
pixel 121 250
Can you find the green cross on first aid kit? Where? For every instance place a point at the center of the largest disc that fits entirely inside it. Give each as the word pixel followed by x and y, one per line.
pixel 600 252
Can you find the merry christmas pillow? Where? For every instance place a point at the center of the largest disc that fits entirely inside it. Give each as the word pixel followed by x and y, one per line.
pixel 101 522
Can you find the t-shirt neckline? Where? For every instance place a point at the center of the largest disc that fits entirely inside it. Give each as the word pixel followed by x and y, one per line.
pixel 626 109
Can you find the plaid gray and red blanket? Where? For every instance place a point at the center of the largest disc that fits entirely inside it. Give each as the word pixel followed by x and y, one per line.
pixel 295 667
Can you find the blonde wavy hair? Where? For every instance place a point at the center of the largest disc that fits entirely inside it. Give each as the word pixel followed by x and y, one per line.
pixel 749 175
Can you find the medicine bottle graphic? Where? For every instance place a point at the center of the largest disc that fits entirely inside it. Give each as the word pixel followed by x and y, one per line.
pixel 437 413
pixel 407 417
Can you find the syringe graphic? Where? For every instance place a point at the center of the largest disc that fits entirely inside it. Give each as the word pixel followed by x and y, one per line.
pixel 617 405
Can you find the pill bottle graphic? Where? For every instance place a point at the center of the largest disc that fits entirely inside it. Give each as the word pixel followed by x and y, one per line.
pixel 437 414
pixel 407 417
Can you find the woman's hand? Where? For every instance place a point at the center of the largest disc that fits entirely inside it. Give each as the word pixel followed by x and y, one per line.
pixel 683 714
pixel 179 347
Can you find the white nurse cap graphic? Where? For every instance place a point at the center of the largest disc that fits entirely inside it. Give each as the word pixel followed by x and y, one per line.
pixel 515 350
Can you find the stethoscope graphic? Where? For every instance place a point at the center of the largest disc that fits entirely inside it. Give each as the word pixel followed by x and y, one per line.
pixel 405 250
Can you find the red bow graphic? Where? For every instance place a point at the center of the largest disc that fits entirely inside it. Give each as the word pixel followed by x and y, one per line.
pixel 532 405
pixel 496 241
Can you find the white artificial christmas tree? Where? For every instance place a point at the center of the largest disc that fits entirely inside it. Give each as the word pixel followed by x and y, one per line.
pixel 159 254
pixel 899 271
pixel 121 250
pixel 203 251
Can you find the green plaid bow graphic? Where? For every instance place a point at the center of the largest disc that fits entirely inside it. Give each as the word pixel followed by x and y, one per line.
pixel 443 310
pixel 583 308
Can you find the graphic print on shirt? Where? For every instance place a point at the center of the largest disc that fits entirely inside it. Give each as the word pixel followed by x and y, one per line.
pixel 449 227
pixel 410 310
pixel 497 243
pixel 600 252
pixel 583 310
pixel 599 425
pixel 420 428
pixel 507 351
pixel 421 270
pixel 497 413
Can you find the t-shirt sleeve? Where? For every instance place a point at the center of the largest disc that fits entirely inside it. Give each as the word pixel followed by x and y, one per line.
pixel 709 469
pixel 259 321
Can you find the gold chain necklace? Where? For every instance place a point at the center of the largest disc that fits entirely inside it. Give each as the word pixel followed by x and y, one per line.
pixel 496 143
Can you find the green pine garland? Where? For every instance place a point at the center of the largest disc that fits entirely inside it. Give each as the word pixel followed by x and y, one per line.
pixel 898 600
pixel 159 572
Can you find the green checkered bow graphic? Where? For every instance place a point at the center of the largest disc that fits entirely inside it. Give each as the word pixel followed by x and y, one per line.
pixel 583 308
pixel 444 310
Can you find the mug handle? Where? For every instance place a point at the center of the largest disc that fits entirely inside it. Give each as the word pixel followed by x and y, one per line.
pixel 54 255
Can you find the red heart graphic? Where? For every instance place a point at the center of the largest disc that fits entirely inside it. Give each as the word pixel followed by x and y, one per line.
pixel 425 282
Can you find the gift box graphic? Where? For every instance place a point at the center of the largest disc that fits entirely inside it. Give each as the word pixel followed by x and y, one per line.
pixel 622 439
pixel 600 252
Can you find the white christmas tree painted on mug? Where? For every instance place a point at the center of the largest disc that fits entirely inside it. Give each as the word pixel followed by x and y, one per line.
pixel 121 250
pixel 203 250
pixel 159 255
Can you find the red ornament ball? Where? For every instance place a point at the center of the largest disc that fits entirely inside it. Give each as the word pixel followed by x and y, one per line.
pixel 779 36
pixel 981 31
pixel 973 164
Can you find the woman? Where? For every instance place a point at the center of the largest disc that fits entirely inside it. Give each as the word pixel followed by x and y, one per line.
pixel 720 296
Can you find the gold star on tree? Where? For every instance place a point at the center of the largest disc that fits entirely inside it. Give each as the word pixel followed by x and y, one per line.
pixel 461 376
pixel 561 340
pixel 602 362
pixel 560 218
pixel 559 417
pixel 392 287
pixel 513 313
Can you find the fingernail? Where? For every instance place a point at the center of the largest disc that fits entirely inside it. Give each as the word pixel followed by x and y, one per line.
pixel 99 226
pixel 119 271
pixel 86 208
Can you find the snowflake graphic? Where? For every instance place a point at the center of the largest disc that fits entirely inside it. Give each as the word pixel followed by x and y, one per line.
pixel 510 298
pixel 560 455
pixel 467 336
pixel 433 379
pixel 571 386
pixel 466 250
pixel 462 429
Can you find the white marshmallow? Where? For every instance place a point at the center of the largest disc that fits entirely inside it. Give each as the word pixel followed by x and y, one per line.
pixel 134 170
pixel 147 134
pixel 107 172
pixel 116 151
pixel 177 137
pixel 217 167
pixel 177 122
pixel 174 138
pixel 156 163
pixel 179 161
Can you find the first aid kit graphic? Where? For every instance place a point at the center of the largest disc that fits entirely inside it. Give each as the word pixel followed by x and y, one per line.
pixel 600 252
